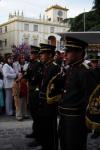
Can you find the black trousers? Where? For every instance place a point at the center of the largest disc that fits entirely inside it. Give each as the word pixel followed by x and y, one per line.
pixel 72 133
pixel 47 132
pixel 33 107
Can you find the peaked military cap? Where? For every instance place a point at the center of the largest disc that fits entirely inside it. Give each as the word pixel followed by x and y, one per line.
pixel 34 49
pixel 47 48
pixel 93 57
pixel 74 44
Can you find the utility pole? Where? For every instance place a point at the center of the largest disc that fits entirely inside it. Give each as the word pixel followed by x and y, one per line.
pixel 84 19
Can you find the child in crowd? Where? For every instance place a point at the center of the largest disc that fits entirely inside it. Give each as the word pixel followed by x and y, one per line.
pixel 20 97
pixel 1 93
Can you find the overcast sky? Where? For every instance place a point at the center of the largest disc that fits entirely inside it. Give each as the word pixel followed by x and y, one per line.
pixel 33 8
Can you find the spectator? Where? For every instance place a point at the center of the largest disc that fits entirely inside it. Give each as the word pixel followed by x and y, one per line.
pixel 20 97
pixel 16 64
pixel 8 75
pixel 95 70
pixel 1 93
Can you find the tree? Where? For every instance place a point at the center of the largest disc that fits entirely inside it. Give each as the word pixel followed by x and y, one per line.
pixel 97 6
pixel 92 19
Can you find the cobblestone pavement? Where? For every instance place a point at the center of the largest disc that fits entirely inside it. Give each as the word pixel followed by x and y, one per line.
pixel 12 135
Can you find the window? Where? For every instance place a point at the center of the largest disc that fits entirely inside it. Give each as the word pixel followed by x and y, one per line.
pixel 35 28
pixel 59 19
pixel 26 40
pixel 51 29
pixel 35 42
pixel 26 27
pixel 0 30
pixel 5 42
pixel 0 43
pixel 49 19
pixel 5 28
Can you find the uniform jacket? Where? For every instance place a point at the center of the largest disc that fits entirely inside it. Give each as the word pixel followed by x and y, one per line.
pixel 33 74
pixel 78 86
pixel 49 71
pixel 93 109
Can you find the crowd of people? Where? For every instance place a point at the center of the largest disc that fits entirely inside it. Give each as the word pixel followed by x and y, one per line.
pixel 53 85
pixel 10 72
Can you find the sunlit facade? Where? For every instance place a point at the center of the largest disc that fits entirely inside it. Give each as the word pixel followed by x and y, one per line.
pixel 19 29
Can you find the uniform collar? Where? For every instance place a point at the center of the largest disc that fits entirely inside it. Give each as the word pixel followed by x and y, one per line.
pixel 76 62
pixel 49 62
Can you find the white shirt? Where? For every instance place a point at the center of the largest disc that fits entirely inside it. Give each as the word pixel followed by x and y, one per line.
pixel 17 67
pixel 9 75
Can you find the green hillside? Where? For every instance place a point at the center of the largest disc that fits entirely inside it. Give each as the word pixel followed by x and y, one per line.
pixel 88 21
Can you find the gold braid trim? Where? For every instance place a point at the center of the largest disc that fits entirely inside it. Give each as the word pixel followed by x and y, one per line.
pixel 53 99
pixel 92 125
pixel 92 96
pixel 89 123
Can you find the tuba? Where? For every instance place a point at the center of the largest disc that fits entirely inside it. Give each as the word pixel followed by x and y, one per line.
pixel 54 88
pixel 93 110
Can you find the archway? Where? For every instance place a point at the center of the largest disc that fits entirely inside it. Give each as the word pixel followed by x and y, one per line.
pixel 52 40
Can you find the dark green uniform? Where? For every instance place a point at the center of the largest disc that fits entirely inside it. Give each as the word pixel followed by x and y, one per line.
pixel 77 88
pixel 33 75
pixel 93 109
pixel 48 109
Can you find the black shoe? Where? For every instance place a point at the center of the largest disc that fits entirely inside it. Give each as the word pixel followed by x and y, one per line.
pixel 26 117
pixel 35 145
pixel 19 119
pixel 30 135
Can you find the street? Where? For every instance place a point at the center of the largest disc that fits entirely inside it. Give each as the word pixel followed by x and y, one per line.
pixel 12 135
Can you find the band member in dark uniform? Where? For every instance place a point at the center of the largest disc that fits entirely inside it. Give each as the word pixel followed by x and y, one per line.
pixel 58 59
pixel 93 110
pixel 77 88
pixel 33 76
pixel 48 96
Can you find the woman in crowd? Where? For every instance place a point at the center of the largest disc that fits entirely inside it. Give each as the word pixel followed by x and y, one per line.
pixel 9 75
pixel 20 97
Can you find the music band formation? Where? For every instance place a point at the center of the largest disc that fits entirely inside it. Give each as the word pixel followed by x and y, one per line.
pixel 62 88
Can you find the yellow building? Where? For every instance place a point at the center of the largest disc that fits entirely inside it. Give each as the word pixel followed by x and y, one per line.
pixel 19 29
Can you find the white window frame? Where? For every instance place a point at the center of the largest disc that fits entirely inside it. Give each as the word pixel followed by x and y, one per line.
pixel 52 29
pixel 35 42
pixel 35 27
pixel 26 27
